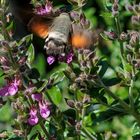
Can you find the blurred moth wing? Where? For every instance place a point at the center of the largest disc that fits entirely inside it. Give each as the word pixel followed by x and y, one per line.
pixel 83 38
pixel 40 26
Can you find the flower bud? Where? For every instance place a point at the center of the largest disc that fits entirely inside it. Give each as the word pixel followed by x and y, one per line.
pixel 111 35
pixel 71 103
pixel 137 8
pixel 79 105
pixel 136 63
pixel 74 15
pixel 129 58
pixel 129 47
pixel 115 7
pixel 123 36
pixel 78 127
pixel 134 38
pixel 129 8
pixel 135 20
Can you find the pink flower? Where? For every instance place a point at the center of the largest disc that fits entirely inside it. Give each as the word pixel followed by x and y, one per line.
pixel 69 57
pixel 44 109
pixel 43 10
pixel 36 96
pixel 51 60
pixel 33 119
pixel 33 111
pixel 10 89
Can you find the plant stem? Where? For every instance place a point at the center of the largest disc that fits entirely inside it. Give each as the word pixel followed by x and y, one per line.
pixel 131 99
pixel 90 136
pixel 77 117
pixel 44 129
pixel 118 25
pixel 110 93
pixel 122 103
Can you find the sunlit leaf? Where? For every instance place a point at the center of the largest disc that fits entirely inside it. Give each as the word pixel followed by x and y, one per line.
pixel 55 95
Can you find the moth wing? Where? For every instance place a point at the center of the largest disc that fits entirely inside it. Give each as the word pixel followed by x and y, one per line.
pixel 83 38
pixel 40 25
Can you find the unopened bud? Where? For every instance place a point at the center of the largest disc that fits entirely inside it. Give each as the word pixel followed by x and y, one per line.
pixel 123 36
pixel 129 58
pixel 111 35
pixel 74 15
pixel 134 40
pixel 137 8
pixel 135 20
pixel 115 7
pixel 129 47
pixel 78 127
pixel 70 103
pixel 137 64
pixel 129 8
pixel 22 60
pixel 79 105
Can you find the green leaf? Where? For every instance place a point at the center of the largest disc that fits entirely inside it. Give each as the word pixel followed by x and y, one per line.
pixel 136 131
pixel 112 81
pixel 5 112
pixel 104 66
pixel 55 95
pixel 26 39
pixel 107 15
pixel 10 26
pixel 31 54
pixel 40 65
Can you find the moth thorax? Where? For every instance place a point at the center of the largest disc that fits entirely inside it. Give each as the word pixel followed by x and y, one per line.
pixel 58 36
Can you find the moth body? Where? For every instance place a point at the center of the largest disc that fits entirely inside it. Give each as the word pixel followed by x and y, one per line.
pixel 58 35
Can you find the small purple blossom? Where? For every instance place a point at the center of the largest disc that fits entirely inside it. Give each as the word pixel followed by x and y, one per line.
pixel 44 109
pixel 75 15
pixel 69 58
pixel 50 60
pixel 33 119
pixel 43 10
pixel 36 96
pixel 10 89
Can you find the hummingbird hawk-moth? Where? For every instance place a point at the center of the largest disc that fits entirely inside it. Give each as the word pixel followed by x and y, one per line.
pixel 58 31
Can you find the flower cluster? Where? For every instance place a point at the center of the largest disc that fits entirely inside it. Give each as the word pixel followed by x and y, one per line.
pixel 135 9
pixel 44 9
pixel 131 41
pixel 67 58
pixel 42 106
pixel 11 89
